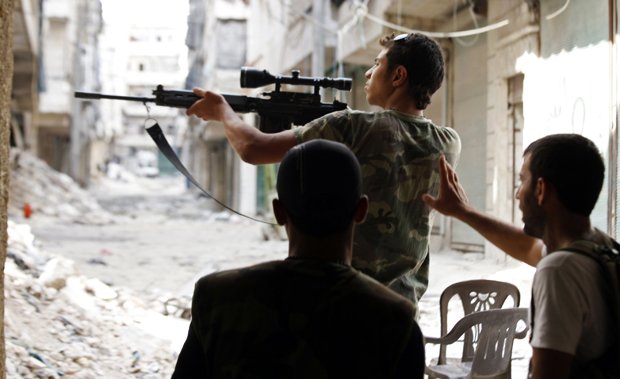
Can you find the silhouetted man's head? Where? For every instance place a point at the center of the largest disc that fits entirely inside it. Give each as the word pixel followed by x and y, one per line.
pixel 319 186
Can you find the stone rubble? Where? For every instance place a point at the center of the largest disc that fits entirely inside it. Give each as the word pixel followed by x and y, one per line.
pixel 49 192
pixel 59 323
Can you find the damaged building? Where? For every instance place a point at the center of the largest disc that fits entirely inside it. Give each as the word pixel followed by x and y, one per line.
pixel 55 47
pixel 517 70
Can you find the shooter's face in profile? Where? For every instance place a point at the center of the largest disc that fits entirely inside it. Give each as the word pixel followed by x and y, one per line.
pixel 378 83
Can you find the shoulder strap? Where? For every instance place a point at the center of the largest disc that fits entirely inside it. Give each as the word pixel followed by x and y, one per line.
pixel 162 144
pixel 608 258
pixel 599 252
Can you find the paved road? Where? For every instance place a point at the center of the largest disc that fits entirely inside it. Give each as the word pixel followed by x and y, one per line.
pixel 158 242
pixel 164 238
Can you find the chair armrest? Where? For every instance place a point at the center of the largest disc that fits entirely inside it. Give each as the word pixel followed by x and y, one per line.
pixel 435 340
pixel 457 330
pixel 520 335
pixel 466 323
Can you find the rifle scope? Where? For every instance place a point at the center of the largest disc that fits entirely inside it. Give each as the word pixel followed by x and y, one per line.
pixel 254 78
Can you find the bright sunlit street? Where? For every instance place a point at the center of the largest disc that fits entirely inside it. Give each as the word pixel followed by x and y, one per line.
pixel 143 143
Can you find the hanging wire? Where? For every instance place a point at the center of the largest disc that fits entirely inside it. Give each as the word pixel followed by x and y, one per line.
pixel 148 116
pixel 362 11
pixel 471 12
pixel 311 19
pixel 463 33
pixel 148 111
pixel 557 13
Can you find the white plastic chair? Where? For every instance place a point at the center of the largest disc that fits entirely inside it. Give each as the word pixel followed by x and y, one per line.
pixel 475 296
pixel 493 351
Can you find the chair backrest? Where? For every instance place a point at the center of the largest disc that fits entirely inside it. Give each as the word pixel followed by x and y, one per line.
pixel 476 296
pixel 494 348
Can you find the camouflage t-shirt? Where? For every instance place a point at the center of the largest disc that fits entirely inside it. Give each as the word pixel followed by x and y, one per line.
pixel 299 318
pixel 399 155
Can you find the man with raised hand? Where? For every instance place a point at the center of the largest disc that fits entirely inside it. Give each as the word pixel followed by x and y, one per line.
pixel 397 147
pixel 561 179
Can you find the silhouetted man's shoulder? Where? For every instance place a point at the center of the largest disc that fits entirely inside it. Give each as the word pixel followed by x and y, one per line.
pixel 314 315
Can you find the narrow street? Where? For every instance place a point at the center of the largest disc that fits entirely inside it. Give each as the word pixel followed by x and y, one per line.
pixel 158 238
pixel 100 264
pixel 104 290
pixel 161 238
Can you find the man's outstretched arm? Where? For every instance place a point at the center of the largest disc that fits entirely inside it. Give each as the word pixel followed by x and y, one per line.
pixel 252 145
pixel 452 201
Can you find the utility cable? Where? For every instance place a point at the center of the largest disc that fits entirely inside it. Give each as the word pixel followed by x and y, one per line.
pixel 557 13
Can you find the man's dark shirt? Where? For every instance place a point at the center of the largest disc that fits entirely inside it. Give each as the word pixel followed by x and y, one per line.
pixel 299 318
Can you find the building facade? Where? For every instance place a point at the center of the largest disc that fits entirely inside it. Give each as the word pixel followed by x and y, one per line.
pixel 66 129
pixel 217 42
pixel 517 70
pixel 141 50
pixel 26 55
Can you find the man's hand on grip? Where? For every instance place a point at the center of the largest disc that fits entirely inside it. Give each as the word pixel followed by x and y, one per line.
pixel 212 106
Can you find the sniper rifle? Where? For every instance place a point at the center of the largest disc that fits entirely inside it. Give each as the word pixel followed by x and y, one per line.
pixel 277 109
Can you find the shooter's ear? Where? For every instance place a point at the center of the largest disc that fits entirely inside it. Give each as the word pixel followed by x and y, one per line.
pixel 400 75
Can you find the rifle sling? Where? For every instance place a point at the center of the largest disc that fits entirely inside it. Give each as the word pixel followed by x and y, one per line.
pixel 162 144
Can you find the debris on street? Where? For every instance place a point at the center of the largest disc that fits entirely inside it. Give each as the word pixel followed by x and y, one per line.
pixel 60 323
pixel 86 297
pixel 36 188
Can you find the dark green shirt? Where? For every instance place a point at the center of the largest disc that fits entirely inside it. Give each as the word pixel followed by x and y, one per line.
pixel 299 319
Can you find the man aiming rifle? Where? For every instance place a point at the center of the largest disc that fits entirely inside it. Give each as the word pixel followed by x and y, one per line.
pixel 398 149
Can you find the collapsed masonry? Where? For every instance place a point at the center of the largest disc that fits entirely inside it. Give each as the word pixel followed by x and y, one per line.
pixel 60 323
pixel 49 192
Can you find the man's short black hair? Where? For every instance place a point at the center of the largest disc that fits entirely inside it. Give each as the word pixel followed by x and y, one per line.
pixel 319 185
pixel 423 59
pixel 573 164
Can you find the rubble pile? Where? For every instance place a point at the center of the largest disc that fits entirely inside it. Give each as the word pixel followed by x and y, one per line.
pixel 59 323
pixel 45 191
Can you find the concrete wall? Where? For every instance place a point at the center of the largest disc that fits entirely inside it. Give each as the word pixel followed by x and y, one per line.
pixel 569 87
pixel 25 55
pixel 535 76
pixel 566 65
pixel 288 39
pixel 469 99
pixel 505 46
pixel 69 40
pixel 217 35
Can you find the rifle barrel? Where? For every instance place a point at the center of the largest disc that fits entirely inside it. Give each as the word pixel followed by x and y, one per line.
pixel 96 96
